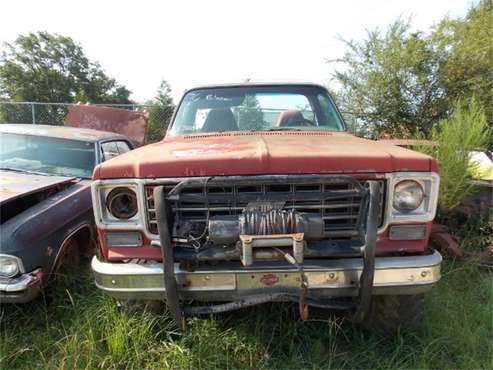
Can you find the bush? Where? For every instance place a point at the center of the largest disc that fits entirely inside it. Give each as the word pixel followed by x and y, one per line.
pixel 160 113
pixel 401 80
pixel 159 119
pixel 455 137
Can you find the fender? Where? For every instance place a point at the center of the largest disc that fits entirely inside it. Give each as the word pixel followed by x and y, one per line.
pixel 72 232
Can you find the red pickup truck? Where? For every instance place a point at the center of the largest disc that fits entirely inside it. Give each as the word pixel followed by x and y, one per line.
pixel 258 194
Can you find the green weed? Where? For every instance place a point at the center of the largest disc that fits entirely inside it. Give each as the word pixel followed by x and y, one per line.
pixel 82 328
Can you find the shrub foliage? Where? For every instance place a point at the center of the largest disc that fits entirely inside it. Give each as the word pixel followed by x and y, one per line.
pixel 464 131
pixel 400 81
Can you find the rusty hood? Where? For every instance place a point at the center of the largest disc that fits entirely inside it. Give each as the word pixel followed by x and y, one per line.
pixel 251 153
pixel 130 123
pixel 14 185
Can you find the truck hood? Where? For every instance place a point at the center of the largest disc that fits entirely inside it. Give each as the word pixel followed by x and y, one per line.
pixel 14 185
pixel 130 123
pixel 252 153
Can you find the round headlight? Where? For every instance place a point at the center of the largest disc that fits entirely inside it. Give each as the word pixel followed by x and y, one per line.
pixel 408 195
pixel 8 266
pixel 122 203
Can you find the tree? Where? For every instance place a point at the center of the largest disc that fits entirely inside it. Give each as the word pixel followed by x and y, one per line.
pixel 250 115
pixel 401 82
pixel 44 67
pixel 160 113
pixel 465 130
pixel 466 48
pixel 390 82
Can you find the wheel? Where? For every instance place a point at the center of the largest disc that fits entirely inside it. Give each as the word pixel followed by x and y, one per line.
pixel 390 313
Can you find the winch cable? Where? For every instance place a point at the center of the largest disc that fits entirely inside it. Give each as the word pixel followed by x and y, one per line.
pixel 368 273
pixel 170 284
pixel 195 241
pixel 302 306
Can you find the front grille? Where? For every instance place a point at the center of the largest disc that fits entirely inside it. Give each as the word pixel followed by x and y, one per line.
pixel 341 216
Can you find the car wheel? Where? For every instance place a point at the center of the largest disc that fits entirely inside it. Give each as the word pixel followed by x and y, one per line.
pixel 391 313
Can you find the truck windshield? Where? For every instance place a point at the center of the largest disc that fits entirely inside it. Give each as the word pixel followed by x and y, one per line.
pixel 256 108
pixel 47 155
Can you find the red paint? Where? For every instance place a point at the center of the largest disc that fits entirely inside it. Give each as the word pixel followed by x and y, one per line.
pixel 254 153
pixel 246 153
pixel 269 279
pixel 145 252
pixel 130 123
pixel 386 246
pixel 120 253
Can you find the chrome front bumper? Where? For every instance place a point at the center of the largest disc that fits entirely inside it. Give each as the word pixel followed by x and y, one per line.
pixel 229 281
pixel 21 289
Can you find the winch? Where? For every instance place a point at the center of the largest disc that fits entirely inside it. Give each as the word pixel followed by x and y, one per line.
pixel 253 221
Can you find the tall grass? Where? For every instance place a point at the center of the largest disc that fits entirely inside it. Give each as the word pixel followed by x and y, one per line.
pixel 464 131
pixel 82 328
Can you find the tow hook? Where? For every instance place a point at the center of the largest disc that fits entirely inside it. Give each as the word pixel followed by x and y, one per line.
pixel 302 306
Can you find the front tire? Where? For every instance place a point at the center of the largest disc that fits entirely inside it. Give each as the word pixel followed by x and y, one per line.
pixel 391 313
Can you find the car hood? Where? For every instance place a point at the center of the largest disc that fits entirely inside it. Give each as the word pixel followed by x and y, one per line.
pixel 14 185
pixel 251 153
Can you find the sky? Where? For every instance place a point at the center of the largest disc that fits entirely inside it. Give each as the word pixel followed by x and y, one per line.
pixel 191 43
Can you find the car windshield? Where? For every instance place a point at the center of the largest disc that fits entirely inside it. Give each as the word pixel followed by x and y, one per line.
pixel 47 155
pixel 256 108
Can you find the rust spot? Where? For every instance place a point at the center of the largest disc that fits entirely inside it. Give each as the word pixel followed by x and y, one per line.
pixel 14 185
pixel 122 121
pixel 269 279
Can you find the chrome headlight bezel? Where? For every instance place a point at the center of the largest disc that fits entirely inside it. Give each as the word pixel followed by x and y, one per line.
pixel 19 267
pixel 425 212
pixel 100 189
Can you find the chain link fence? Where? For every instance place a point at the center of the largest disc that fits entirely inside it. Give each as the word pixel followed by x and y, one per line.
pixel 53 113
pixel 159 116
